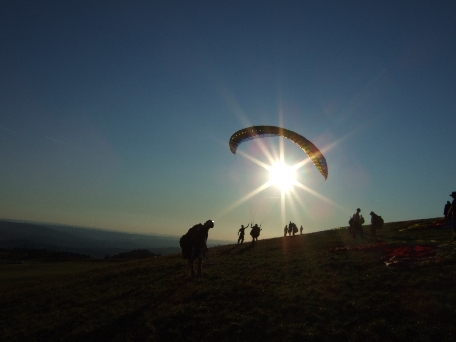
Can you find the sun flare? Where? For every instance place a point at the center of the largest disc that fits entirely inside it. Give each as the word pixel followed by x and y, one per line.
pixel 282 176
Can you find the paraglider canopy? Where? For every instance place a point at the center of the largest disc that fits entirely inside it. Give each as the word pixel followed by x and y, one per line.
pixel 254 132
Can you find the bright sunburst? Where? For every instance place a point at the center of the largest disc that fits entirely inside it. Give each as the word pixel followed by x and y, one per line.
pixel 282 176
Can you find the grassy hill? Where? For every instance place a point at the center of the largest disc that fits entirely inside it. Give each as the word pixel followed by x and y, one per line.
pixel 294 288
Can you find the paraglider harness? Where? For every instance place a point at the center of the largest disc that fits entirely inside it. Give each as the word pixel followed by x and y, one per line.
pixel 255 232
pixel 193 243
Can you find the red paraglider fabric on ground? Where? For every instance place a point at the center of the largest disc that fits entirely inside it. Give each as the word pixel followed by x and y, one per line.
pixel 408 255
pixel 397 256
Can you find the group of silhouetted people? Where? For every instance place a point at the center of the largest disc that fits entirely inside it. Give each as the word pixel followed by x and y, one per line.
pixel 291 228
pixel 194 247
pixel 357 220
pixel 254 233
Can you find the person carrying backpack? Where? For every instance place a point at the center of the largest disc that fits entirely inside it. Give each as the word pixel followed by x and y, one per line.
pixel 290 228
pixel 255 232
pixel 452 214
pixel 295 229
pixel 446 211
pixel 376 223
pixel 194 246
pixel 356 224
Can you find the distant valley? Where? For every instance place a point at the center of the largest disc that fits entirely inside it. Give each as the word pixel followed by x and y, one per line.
pixel 97 243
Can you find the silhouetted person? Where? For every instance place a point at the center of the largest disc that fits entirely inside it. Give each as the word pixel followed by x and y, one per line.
pixel 241 233
pixel 290 228
pixel 452 214
pixel 356 216
pixel 376 223
pixel 197 238
pixel 255 232
pixel 285 230
pixel 356 225
pixel 300 229
pixel 446 210
pixel 295 228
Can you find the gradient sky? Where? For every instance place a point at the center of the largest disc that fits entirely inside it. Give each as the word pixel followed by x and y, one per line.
pixel 117 114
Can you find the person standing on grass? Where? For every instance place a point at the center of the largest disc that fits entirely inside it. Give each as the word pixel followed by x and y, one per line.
pixel 300 229
pixel 255 232
pixel 356 216
pixel 195 243
pixel 376 223
pixel 446 209
pixel 452 214
pixel 357 225
pixel 285 230
pixel 241 233
pixel 295 229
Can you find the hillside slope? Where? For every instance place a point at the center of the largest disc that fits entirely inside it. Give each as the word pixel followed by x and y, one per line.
pixel 292 288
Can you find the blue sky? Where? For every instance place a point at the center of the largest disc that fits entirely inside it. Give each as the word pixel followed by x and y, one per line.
pixel 117 114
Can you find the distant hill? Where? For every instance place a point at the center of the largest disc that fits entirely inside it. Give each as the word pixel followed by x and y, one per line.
pixel 21 255
pixel 94 242
pixel 132 255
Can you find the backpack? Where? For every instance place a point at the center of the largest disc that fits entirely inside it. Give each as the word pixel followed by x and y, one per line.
pixel 295 228
pixel 379 222
pixel 255 232
pixel 195 237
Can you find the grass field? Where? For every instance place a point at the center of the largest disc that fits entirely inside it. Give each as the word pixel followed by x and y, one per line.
pixel 283 289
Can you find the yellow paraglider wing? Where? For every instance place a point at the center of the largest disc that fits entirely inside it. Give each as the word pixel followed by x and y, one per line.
pixel 254 132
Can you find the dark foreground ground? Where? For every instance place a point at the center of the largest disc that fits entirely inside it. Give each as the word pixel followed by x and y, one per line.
pixel 310 287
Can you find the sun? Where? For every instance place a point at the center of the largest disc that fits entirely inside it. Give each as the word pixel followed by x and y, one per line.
pixel 282 176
